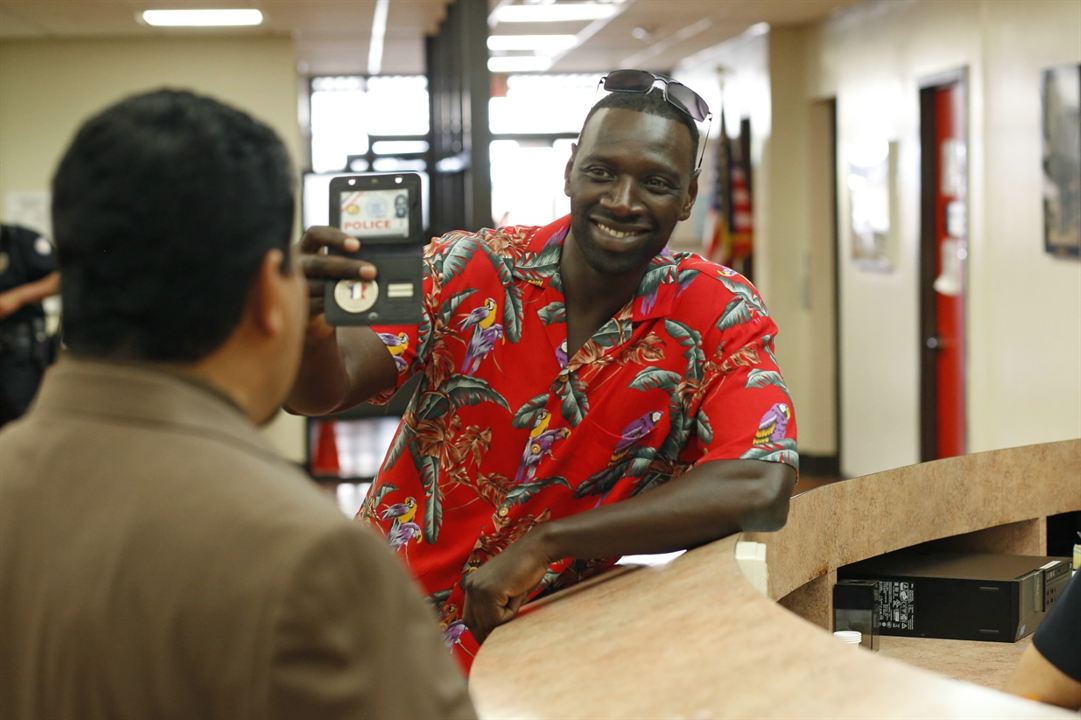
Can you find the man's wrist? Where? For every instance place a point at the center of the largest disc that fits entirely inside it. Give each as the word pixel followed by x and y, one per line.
pixel 548 541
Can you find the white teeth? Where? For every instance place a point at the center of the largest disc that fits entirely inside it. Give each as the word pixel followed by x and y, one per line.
pixel 613 232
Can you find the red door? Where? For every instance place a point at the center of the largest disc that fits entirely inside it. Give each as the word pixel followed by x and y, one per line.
pixel 950 236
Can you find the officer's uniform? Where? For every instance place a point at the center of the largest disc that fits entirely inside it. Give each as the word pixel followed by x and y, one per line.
pixel 25 256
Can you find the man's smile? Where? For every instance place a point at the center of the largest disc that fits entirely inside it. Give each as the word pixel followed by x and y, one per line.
pixel 621 233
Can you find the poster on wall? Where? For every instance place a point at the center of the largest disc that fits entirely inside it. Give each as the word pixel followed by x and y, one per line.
pixel 869 180
pixel 29 209
pixel 1061 101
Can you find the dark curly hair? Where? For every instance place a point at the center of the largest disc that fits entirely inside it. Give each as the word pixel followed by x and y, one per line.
pixel 651 102
pixel 163 208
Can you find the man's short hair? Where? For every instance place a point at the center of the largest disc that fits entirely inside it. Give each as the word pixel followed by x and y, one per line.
pixel 651 102
pixel 163 208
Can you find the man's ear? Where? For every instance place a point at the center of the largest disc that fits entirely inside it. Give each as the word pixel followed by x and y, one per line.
pixel 266 302
pixel 692 193
pixel 567 171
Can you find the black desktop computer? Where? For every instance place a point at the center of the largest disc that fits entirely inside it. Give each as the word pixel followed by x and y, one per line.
pixel 962 596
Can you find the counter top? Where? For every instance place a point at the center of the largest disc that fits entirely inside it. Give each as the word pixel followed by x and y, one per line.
pixel 695 639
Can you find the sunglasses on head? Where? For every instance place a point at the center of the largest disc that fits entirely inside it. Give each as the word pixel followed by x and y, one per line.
pixel 676 94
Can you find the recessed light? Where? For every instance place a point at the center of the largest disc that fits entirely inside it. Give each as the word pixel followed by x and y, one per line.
pixel 759 28
pixel 203 18
pixel 561 12
pixel 545 43
pixel 519 63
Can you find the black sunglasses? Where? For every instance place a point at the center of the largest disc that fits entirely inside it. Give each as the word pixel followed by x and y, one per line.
pixel 676 94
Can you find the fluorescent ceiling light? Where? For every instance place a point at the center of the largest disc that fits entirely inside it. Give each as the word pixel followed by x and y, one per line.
pixel 543 43
pixel 519 63
pixel 757 29
pixel 379 30
pixel 555 12
pixel 399 147
pixel 202 18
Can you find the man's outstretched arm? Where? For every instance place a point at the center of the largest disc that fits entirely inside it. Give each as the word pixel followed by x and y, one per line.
pixel 711 501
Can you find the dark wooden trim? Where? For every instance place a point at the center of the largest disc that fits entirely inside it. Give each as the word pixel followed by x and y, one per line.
pixel 928 320
pixel 332 480
pixel 824 465
pixel 837 250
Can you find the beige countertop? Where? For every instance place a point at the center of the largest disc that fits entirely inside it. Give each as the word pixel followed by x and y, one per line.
pixel 990 664
pixel 695 639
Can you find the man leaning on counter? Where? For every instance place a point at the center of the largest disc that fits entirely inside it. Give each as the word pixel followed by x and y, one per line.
pixel 586 392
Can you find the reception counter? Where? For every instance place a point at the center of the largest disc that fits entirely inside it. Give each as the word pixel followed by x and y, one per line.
pixel 703 638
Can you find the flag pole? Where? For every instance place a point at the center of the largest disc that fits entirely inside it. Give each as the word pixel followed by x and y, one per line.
pixel 717 243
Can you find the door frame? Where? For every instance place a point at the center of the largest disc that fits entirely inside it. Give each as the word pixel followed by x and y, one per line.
pixel 821 279
pixel 928 257
pixel 838 388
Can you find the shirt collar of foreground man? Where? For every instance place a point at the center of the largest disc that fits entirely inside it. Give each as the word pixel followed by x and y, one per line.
pixel 551 432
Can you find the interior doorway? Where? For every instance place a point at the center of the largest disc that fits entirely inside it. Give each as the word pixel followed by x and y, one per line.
pixel 943 266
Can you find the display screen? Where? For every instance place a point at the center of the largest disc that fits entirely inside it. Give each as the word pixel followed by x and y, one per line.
pixel 375 213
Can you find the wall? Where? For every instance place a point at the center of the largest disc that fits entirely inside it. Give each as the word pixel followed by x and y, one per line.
pixel 764 81
pixel 1026 347
pixel 48 87
pixel 1024 313
pixel 1024 353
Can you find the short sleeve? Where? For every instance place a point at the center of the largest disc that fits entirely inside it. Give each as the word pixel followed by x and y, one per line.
pixel 1058 638
pixel 37 253
pixel 747 413
pixel 355 640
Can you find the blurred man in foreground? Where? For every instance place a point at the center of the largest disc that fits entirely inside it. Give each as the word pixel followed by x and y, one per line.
pixel 158 559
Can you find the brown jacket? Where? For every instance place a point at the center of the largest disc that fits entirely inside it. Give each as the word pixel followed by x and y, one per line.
pixel 158 560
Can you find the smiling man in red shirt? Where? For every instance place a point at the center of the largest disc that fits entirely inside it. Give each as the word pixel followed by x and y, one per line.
pixel 567 370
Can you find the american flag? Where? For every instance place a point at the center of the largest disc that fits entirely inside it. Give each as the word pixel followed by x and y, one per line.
pixel 741 217
pixel 718 238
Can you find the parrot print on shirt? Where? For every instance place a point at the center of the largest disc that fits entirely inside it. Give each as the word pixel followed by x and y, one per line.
pixel 486 333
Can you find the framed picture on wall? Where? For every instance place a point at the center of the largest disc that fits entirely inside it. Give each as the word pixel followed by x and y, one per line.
pixel 870 174
pixel 1060 93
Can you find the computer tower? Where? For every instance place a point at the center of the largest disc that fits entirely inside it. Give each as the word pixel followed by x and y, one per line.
pixel 962 596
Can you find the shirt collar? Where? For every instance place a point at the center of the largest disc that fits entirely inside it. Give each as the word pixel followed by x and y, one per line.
pixel 145 394
pixel 539 264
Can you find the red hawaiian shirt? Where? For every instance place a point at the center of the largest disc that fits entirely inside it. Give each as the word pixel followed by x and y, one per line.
pixel 506 431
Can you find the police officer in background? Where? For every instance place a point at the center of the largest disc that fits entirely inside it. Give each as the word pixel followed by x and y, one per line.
pixel 27 276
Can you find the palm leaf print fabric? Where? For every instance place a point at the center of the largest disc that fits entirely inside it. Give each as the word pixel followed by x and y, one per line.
pixel 506 431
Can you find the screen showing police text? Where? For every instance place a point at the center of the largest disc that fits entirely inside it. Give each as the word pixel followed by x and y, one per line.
pixel 375 213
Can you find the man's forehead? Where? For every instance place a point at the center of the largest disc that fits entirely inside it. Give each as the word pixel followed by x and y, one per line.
pixel 622 126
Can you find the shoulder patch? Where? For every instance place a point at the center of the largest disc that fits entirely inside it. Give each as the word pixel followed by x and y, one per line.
pixel 43 246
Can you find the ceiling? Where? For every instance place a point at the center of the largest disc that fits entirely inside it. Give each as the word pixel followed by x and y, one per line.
pixel 333 36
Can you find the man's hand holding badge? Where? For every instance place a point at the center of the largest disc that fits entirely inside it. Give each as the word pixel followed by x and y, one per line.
pixel 379 219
